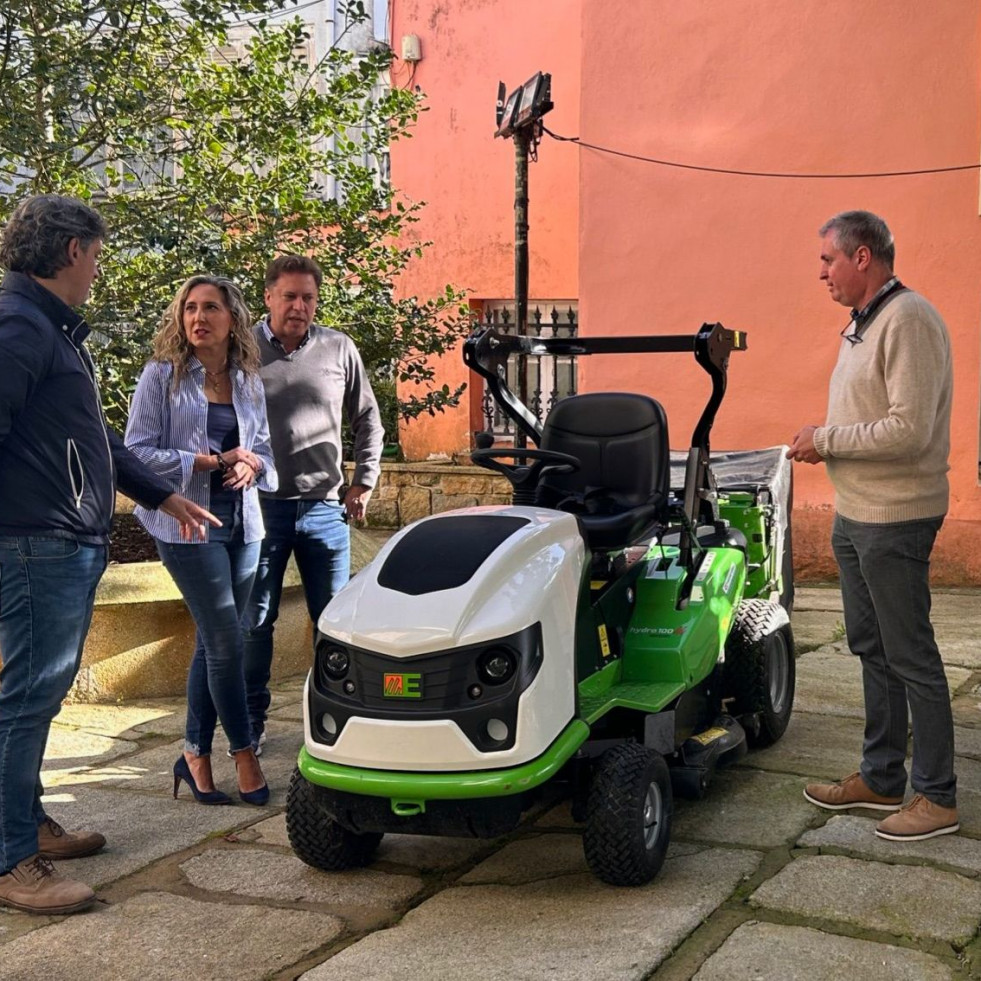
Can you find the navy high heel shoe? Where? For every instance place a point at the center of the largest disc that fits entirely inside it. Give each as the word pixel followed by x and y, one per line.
pixel 258 797
pixel 183 772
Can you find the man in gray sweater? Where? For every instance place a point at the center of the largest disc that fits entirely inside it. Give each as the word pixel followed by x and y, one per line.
pixel 885 445
pixel 313 376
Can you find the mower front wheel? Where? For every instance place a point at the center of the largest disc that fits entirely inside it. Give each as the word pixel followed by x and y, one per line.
pixel 316 837
pixel 628 816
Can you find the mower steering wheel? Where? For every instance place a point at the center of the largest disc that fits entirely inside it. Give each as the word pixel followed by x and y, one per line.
pixel 525 476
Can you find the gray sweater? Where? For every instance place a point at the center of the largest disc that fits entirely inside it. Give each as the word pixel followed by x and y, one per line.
pixel 307 393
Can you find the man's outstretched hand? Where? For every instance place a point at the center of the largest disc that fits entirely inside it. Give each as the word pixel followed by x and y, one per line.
pixel 192 517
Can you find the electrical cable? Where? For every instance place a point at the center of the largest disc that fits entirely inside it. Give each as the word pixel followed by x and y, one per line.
pixel 754 173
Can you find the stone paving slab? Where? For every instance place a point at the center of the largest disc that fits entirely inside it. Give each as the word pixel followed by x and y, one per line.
pixel 566 931
pixel 968 810
pixel 288 691
pixel 966 708
pixel 169 723
pixel 531 859
pixel 140 829
pixel 159 937
pixel 968 773
pixel 112 720
pixel 293 712
pixel 731 811
pixel 769 952
pixel 829 682
pixel 72 750
pixel 967 742
pixel 420 852
pixel 903 900
pixel 813 628
pixel 261 874
pixel 820 598
pixel 818 746
pixel 857 836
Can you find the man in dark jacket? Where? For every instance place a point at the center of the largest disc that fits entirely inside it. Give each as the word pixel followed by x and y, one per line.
pixel 59 467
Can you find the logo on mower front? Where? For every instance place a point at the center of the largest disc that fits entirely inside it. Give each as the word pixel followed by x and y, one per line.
pixel 403 685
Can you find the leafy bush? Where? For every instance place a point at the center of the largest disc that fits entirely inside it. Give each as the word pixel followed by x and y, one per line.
pixel 207 157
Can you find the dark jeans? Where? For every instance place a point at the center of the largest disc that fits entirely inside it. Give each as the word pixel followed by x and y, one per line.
pixel 317 534
pixel 47 591
pixel 885 590
pixel 215 579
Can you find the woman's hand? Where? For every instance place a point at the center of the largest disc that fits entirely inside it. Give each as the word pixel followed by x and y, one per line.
pixel 239 476
pixel 241 455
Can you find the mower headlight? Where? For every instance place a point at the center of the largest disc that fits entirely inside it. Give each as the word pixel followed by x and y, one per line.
pixel 496 665
pixel 336 662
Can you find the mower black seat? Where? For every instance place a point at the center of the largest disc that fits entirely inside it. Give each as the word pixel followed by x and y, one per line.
pixel 621 489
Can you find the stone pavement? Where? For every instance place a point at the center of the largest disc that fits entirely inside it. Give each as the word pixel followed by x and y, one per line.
pixel 758 883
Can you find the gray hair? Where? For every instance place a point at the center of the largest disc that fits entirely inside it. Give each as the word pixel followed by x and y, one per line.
pixel 856 228
pixel 36 236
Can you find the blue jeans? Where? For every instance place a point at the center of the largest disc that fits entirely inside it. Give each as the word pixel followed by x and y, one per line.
pixel 47 591
pixel 316 532
pixel 215 579
pixel 885 591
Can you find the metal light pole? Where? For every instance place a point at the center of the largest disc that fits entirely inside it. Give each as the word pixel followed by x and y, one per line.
pixel 522 140
pixel 519 116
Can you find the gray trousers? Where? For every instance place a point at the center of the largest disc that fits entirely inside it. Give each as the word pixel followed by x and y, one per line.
pixel 885 591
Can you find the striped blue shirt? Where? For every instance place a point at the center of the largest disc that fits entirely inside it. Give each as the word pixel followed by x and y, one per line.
pixel 168 425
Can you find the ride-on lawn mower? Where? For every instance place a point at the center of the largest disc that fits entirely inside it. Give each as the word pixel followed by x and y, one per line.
pixel 622 627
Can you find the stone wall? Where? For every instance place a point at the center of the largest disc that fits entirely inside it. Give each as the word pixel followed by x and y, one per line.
pixel 409 491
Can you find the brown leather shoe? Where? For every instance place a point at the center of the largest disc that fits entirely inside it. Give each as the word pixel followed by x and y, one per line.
pixel 919 819
pixel 54 842
pixel 33 886
pixel 850 791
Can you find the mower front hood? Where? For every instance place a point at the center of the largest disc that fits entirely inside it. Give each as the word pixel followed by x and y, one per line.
pixel 484 573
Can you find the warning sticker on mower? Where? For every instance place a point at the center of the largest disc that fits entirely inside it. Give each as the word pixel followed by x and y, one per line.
pixel 705 567
pixel 709 736
pixel 604 641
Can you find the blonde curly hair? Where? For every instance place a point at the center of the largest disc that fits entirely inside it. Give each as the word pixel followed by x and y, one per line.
pixel 170 343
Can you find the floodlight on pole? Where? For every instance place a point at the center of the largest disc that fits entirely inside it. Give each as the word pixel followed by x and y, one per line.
pixel 525 105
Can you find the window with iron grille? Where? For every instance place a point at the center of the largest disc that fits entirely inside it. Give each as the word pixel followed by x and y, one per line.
pixel 547 378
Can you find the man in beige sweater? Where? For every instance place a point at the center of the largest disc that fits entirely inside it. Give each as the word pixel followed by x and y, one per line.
pixel 885 446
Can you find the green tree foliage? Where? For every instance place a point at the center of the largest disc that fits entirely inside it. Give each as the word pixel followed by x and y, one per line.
pixel 207 157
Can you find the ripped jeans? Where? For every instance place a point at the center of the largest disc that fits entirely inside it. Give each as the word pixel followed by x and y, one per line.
pixel 215 579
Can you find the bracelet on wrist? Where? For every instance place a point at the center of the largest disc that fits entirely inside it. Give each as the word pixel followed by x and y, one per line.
pixel 223 467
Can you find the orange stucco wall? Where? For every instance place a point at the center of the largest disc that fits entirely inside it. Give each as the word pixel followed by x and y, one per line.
pixel 811 86
pixel 467 177
pixel 822 86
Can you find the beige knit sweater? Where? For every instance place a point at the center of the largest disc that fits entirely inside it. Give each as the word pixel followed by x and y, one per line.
pixel 887 436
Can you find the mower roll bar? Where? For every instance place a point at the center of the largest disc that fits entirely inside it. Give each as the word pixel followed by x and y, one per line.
pixel 487 352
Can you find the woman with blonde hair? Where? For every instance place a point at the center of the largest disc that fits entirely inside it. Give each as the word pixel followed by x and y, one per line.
pixel 198 420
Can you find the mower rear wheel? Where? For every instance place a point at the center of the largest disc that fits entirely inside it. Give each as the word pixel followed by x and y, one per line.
pixel 316 837
pixel 760 671
pixel 628 816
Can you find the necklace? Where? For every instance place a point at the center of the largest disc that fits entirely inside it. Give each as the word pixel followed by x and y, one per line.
pixel 215 378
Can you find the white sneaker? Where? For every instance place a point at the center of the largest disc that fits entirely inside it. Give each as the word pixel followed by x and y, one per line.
pixel 257 746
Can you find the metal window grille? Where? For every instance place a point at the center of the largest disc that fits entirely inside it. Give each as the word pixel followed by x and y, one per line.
pixel 548 378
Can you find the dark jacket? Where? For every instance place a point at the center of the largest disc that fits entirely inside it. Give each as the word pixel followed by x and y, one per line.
pixel 59 462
